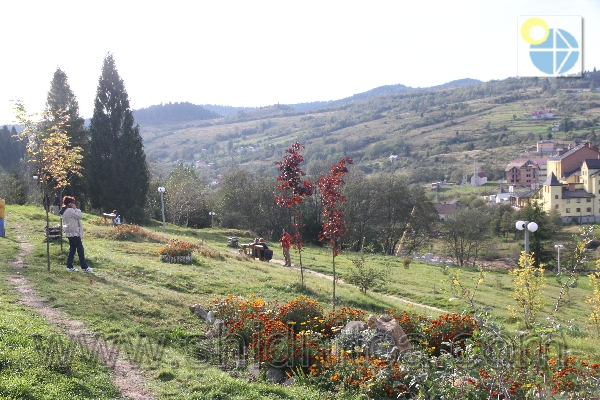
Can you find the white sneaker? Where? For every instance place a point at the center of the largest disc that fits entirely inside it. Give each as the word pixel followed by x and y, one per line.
pixel 72 269
pixel 89 269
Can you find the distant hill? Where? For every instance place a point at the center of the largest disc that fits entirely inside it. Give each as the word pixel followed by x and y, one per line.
pixel 172 113
pixel 227 111
pixel 386 90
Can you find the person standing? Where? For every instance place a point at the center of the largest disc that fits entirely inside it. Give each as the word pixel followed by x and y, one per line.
pixel 2 233
pixel 74 232
pixel 286 243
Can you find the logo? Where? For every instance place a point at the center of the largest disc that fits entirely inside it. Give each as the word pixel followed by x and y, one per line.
pixel 550 46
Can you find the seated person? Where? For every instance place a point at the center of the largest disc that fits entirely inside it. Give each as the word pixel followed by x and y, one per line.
pixel 261 252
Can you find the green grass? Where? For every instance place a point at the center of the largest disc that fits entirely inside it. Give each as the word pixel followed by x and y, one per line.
pixel 136 301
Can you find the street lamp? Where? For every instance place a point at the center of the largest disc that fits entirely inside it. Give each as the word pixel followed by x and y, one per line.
pixel 35 178
pixel 558 247
pixel 531 227
pixel 161 190
pixel 212 215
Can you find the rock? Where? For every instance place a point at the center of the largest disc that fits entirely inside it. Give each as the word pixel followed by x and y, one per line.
pixel 388 325
pixel 217 329
pixel 254 370
pixel 275 375
pixel 210 317
pixel 199 311
pixel 290 382
pixel 353 326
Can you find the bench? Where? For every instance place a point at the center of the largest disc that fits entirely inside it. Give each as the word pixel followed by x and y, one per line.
pixel 114 218
pixel 52 232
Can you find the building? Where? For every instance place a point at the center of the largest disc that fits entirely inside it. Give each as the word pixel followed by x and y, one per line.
pixel 541 114
pixel 573 185
pixel 545 146
pixel 526 171
pixel 446 211
pixel 478 179
pixel 567 163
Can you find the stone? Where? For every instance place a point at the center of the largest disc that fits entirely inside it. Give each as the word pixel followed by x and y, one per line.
pixel 353 326
pixel 199 311
pixel 254 370
pixel 388 325
pixel 276 375
pixel 210 317
pixel 290 382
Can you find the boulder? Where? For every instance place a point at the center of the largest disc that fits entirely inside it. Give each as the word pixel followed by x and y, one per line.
pixel 388 325
pixel 354 326
pixel 276 375
pixel 199 311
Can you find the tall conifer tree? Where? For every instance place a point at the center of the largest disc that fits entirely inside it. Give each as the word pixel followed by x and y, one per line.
pixel 61 99
pixel 117 172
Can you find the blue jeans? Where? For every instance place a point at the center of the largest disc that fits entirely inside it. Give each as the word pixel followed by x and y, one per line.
pixel 2 233
pixel 76 244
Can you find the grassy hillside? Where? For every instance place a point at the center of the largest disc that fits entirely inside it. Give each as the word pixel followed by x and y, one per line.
pixel 437 133
pixel 134 300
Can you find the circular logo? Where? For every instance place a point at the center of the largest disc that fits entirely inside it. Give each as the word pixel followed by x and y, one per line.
pixel 553 51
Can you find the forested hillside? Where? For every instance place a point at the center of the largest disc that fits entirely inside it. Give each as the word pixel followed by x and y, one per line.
pixel 436 133
pixel 172 113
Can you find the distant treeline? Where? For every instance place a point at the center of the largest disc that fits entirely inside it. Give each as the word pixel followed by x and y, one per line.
pixel 172 113
pixel 11 149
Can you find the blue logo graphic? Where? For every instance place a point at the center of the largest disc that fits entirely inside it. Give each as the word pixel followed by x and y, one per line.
pixel 553 51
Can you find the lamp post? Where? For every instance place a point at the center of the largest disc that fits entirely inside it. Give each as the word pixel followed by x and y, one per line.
pixel 558 247
pixel 531 227
pixel 161 190
pixel 35 178
pixel 212 215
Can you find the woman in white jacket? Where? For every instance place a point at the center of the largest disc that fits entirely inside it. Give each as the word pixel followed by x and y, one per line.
pixel 74 232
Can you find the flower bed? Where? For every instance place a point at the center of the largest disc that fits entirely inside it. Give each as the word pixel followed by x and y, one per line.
pixel 176 259
pixel 452 356
pixel 177 251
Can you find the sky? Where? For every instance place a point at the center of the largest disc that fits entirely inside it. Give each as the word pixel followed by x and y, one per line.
pixel 256 53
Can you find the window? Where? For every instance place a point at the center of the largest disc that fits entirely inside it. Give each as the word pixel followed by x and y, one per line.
pixel 578 201
pixel 589 209
pixel 588 200
pixel 578 210
pixel 568 210
pixel 556 206
pixel 556 196
pixel 568 201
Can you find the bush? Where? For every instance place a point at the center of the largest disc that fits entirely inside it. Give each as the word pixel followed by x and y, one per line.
pixel 129 232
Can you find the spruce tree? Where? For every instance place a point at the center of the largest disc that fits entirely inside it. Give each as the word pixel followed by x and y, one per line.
pixel 61 99
pixel 116 169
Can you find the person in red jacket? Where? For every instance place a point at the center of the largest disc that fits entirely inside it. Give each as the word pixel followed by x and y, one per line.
pixel 286 243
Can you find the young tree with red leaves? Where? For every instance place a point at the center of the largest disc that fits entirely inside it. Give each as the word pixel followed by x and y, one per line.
pixel 334 224
pixel 293 190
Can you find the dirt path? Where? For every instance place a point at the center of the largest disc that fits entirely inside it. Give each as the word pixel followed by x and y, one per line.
pixel 127 376
pixel 389 296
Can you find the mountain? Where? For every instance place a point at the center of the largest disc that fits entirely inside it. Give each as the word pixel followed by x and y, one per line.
pixel 436 133
pixel 172 113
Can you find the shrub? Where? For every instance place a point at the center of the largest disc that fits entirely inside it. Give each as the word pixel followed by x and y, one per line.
pixel 177 248
pixel 132 233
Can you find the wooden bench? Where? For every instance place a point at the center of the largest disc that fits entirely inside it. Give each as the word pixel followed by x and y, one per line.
pixel 52 232
pixel 113 218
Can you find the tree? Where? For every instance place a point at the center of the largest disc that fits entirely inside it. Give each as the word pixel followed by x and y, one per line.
pixel 116 168
pixel 183 197
pixel 12 150
pixel 464 234
pixel 334 225
pixel 293 190
pixel 53 157
pixel 529 283
pixel 62 101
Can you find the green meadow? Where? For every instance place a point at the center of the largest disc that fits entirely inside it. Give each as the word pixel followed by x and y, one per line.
pixel 141 305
